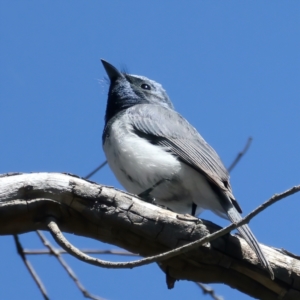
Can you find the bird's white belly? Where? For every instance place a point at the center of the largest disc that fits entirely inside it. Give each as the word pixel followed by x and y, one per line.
pixel 137 164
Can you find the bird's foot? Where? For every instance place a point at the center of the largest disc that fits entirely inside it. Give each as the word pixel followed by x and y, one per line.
pixel 189 218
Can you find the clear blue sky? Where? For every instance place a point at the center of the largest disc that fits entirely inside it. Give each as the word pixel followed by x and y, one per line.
pixel 232 68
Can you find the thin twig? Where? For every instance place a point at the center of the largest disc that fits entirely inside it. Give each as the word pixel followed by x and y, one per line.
pixel 208 290
pixel 89 251
pixel 284 251
pixel 30 268
pixel 240 155
pixel 96 170
pixel 64 264
pixel 65 244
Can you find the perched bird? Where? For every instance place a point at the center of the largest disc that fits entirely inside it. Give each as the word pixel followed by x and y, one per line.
pixel 155 153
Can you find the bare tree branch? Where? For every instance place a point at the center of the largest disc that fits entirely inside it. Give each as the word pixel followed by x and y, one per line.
pixel 96 170
pixel 205 288
pixel 86 251
pixel 208 290
pixel 67 268
pixel 240 155
pixel 65 244
pixel 111 216
pixel 30 268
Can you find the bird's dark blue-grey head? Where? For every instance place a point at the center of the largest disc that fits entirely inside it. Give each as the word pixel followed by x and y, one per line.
pixel 127 90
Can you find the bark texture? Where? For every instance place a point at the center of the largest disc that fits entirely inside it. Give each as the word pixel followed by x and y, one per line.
pixel 88 209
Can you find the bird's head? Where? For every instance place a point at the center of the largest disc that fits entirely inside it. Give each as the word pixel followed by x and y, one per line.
pixel 127 90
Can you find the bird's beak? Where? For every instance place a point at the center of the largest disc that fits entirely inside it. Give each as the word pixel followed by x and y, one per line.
pixel 111 71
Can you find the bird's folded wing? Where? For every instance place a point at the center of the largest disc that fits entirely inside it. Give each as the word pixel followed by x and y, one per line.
pixel 165 127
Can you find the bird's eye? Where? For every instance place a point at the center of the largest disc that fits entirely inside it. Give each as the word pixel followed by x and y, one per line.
pixel 145 86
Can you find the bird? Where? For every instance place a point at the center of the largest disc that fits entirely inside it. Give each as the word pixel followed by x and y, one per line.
pixel 157 154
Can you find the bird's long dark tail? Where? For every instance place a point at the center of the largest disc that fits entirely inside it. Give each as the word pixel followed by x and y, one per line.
pixel 247 234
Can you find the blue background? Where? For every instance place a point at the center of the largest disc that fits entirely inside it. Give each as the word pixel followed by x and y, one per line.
pixel 232 68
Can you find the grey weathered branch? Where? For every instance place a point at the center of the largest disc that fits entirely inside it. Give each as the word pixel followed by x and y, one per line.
pixel 106 214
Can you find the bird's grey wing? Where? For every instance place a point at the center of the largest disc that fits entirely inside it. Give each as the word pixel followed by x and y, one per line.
pixel 165 127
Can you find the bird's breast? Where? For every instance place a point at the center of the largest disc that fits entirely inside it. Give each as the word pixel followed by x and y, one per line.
pixel 137 163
